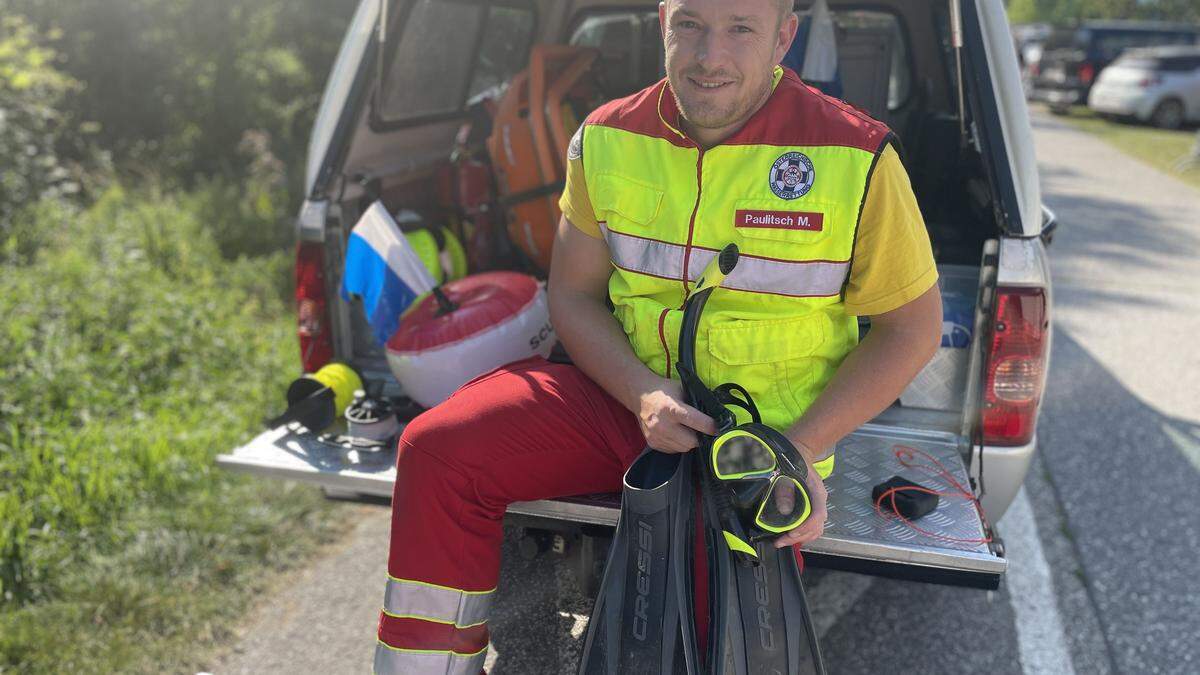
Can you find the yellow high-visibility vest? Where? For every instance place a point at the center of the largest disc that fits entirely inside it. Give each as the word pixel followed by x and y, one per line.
pixel 787 188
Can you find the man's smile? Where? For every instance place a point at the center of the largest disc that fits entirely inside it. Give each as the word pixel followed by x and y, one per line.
pixel 708 84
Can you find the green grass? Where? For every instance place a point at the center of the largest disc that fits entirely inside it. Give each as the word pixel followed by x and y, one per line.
pixel 1159 148
pixel 133 352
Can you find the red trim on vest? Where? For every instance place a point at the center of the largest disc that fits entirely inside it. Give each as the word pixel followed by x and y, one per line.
pixel 795 114
pixel 638 114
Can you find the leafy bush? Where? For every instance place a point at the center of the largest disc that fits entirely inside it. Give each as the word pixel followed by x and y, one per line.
pixel 31 91
pixel 134 351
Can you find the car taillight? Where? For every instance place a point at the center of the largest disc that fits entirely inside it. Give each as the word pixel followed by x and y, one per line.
pixel 1151 81
pixel 1016 367
pixel 1087 72
pixel 316 341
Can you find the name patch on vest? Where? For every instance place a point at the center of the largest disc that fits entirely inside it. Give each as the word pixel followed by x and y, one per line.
pixel 780 220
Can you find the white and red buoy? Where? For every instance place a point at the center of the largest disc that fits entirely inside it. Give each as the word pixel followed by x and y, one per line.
pixel 479 323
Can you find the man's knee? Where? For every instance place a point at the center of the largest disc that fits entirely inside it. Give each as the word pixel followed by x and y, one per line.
pixel 438 439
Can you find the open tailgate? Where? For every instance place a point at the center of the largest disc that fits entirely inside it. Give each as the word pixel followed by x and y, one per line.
pixel 856 538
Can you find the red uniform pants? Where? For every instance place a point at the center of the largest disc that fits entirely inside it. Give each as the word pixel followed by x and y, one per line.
pixel 530 430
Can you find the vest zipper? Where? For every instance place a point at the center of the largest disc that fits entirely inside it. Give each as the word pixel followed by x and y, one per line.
pixel 687 254
pixel 687 251
pixel 662 337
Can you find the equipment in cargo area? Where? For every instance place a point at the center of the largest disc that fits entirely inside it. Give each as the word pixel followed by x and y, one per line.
pixel 467 328
pixel 940 383
pixel 316 400
pixel 382 269
pixel 439 250
pixel 541 109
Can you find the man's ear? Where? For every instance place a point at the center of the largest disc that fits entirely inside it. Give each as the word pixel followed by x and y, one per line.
pixel 662 19
pixel 787 33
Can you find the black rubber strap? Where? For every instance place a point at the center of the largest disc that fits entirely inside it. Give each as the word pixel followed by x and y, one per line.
pixel 725 394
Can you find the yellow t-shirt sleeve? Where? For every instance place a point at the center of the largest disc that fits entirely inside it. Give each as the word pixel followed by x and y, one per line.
pixel 893 261
pixel 575 203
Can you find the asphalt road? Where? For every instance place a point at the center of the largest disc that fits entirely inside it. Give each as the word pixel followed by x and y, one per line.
pixel 1104 542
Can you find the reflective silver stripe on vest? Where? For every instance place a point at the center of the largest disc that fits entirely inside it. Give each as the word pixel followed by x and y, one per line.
pixel 656 258
pixel 814 278
pixel 418 600
pixel 392 661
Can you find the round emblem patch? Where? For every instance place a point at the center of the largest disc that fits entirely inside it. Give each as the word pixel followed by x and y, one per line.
pixel 792 175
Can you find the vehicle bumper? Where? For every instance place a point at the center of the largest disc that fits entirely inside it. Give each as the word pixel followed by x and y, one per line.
pixel 1056 96
pixel 1004 470
pixel 1134 104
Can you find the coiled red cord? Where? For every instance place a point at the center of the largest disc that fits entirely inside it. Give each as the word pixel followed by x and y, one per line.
pixel 907 457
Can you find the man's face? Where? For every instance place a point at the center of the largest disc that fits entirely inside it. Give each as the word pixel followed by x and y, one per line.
pixel 720 57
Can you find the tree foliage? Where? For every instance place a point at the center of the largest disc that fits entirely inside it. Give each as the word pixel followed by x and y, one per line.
pixel 31 124
pixel 172 87
pixel 1070 11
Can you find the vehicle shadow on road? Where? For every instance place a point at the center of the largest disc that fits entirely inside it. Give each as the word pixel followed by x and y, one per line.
pixel 539 618
pixel 1122 473
pixel 1105 223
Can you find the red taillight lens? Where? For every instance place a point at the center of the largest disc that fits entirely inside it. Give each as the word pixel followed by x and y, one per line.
pixel 1087 73
pixel 1016 367
pixel 1147 82
pixel 316 343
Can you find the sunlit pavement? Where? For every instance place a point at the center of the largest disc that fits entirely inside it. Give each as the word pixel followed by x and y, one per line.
pixel 1104 543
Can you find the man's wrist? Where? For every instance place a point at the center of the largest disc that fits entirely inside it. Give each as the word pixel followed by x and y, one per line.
pixel 811 451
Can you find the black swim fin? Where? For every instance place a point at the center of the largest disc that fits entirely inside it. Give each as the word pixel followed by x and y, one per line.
pixel 759 618
pixel 642 622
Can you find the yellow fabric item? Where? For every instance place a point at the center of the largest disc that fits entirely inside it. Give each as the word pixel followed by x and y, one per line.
pixel 893 261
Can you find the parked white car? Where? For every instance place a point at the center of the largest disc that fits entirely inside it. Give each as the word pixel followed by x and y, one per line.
pixel 1160 85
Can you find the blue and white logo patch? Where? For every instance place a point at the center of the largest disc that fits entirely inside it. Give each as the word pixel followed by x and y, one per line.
pixel 792 175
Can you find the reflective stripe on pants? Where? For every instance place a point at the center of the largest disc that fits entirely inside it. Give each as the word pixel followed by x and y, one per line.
pixel 389 660
pixel 420 600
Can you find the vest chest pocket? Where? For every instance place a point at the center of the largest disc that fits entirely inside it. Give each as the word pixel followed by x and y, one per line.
pixel 624 202
pixel 774 360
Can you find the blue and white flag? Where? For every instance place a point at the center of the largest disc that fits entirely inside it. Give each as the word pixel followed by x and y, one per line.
pixel 382 269
pixel 813 54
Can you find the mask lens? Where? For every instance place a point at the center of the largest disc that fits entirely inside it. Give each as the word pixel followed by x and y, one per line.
pixel 785 506
pixel 741 454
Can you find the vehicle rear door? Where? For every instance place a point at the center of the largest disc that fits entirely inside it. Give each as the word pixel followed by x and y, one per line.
pixel 347 86
pixel 1001 115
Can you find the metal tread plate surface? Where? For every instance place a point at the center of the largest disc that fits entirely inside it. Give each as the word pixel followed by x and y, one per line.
pixel 294 453
pixel 854 529
pixel 953 532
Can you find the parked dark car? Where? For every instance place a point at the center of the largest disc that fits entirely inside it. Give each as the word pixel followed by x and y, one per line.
pixel 1073 57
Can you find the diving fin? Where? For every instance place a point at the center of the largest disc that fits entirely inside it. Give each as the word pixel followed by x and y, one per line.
pixel 759 618
pixel 642 621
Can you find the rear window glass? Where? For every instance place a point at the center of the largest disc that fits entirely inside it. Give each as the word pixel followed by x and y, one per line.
pixel 449 51
pixel 1066 38
pixel 1180 64
pixel 631 53
pixel 505 49
pixel 899 75
pixel 1110 43
pixel 630 46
